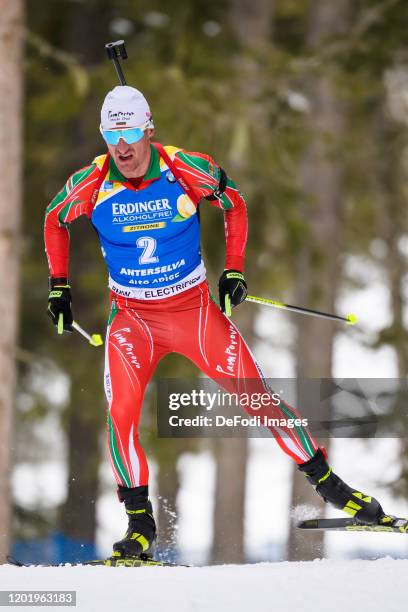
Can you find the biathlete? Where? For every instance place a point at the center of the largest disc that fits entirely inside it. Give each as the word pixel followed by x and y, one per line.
pixel 142 199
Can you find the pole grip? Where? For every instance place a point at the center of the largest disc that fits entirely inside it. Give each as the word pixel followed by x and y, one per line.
pixel 228 309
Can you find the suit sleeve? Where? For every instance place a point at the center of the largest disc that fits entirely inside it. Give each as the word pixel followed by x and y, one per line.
pixel 70 203
pixel 204 174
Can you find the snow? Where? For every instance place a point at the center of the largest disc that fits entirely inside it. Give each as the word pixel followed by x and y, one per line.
pixel 195 519
pixel 308 586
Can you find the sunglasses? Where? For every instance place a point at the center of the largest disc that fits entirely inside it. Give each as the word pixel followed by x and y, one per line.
pixel 129 135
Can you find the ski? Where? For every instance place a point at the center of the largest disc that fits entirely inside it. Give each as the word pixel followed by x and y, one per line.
pixel 387 524
pixel 109 562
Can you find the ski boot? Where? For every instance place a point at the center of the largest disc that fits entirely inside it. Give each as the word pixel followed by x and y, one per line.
pixel 332 488
pixel 140 536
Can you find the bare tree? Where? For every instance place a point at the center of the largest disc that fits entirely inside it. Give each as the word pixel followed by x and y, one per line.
pixel 391 177
pixel 252 23
pixel 11 49
pixel 321 178
pixel 84 416
pixel 231 457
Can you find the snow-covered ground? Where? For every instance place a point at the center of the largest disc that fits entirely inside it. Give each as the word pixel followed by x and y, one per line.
pixel 307 586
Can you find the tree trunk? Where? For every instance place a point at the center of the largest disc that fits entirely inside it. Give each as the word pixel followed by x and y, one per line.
pixel 231 457
pixel 396 225
pixel 252 24
pixel 11 49
pixel 321 177
pixel 85 415
pixel 84 424
pixel 392 176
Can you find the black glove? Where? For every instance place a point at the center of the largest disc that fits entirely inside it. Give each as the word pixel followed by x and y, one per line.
pixel 59 302
pixel 233 283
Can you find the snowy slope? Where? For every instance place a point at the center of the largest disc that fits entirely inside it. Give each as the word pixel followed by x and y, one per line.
pixel 332 586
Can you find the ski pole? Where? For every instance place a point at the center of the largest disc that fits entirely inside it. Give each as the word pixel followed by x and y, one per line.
pixel 94 339
pixel 350 318
pixel 116 50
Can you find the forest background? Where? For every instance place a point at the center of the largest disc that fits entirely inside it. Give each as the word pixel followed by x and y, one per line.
pixel 305 104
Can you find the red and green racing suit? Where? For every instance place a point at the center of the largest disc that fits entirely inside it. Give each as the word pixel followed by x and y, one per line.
pixel 160 301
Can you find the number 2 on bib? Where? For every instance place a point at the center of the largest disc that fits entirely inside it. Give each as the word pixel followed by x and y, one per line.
pixel 149 246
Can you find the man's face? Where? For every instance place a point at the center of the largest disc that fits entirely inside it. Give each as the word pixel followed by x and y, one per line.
pixel 132 159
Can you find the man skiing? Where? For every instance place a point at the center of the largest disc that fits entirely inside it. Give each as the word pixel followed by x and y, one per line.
pixel 142 199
